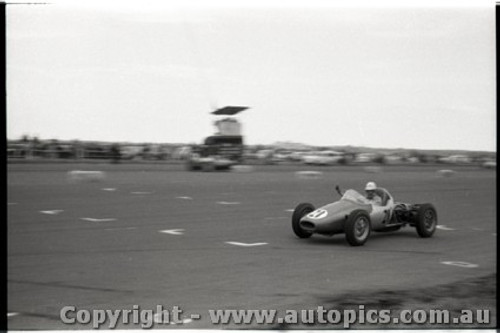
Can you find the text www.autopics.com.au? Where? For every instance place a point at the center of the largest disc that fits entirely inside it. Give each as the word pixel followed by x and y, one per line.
pixel 147 318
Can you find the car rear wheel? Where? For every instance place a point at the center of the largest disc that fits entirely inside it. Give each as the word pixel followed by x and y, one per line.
pixel 357 228
pixel 301 210
pixel 426 220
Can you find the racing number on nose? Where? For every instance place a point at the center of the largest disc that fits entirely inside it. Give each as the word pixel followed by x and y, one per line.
pixel 317 214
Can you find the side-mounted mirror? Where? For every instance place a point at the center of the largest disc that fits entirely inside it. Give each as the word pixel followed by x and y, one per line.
pixel 337 188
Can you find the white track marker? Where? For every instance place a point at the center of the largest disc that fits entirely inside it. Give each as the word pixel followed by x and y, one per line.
pixel 477 229
pixel 309 174
pixel 173 232
pixel 80 175
pixel 443 227
pixel 90 219
pixel 140 192
pixel 51 212
pixel 228 202
pixel 245 244
pixel 289 210
pixel 445 173
pixel 184 198
pixel 109 189
pixel 460 264
pixel 494 234
pixel 12 314
pixel 242 168
pixel 11 203
pixel 275 218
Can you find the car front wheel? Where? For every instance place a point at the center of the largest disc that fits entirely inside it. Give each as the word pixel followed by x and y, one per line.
pixel 357 228
pixel 301 210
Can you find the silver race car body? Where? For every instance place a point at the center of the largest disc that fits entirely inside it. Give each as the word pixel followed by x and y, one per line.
pixel 356 216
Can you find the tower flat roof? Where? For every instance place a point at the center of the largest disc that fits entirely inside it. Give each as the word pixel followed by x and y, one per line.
pixel 230 110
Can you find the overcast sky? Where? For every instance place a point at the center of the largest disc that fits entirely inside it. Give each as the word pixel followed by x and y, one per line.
pixel 377 76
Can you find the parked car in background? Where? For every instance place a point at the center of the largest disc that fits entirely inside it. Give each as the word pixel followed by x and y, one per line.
pixel 365 157
pixel 131 152
pixel 456 159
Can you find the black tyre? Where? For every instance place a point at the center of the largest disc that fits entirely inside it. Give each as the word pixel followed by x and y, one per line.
pixel 357 228
pixel 301 210
pixel 426 220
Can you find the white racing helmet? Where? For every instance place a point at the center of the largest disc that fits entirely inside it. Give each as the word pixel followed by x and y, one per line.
pixel 370 186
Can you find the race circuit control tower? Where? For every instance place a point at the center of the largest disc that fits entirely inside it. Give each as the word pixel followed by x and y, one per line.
pixel 223 149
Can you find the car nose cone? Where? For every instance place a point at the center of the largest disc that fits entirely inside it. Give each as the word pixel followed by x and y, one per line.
pixel 307 225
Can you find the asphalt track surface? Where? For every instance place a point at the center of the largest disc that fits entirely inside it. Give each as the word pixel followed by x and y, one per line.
pixel 99 245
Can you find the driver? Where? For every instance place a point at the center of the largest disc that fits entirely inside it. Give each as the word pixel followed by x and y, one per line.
pixel 371 195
